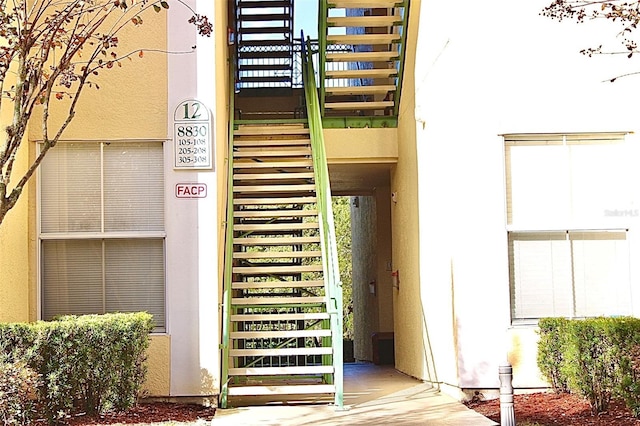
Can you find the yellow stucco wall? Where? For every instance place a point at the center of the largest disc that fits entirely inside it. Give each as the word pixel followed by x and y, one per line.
pixel 410 347
pixel 132 100
pixel 17 298
pixel 365 145
pixel 159 364
pixel 16 295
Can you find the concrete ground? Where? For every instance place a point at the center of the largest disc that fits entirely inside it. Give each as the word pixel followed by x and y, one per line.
pixel 374 395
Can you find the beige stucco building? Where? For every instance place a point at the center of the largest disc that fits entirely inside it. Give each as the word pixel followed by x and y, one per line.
pixel 502 193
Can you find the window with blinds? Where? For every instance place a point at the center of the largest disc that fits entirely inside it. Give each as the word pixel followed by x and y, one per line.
pixel 567 256
pixel 102 229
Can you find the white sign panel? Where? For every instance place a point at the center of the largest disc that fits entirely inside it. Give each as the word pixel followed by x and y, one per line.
pixel 192 136
pixel 191 190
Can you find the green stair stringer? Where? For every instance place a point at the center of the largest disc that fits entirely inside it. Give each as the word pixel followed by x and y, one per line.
pixel 333 285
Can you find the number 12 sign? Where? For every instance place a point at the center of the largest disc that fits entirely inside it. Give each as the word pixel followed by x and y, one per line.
pixel 192 136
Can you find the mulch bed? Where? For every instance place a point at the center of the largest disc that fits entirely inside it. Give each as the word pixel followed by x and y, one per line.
pixel 550 409
pixel 153 412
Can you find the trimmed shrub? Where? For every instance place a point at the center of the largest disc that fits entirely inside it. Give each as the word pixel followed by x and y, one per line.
pixel 626 347
pixel 551 352
pixel 589 363
pixel 597 358
pixel 91 363
pixel 18 393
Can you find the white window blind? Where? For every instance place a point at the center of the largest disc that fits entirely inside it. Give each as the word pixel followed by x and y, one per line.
pixel 566 181
pixel 569 274
pixel 102 222
pixel 133 196
pixel 71 278
pixel 540 265
pixel 601 273
pixel 567 258
pixel 70 188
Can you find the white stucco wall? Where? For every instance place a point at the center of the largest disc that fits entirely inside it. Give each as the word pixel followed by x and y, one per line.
pixel 191 224
pixel 485 69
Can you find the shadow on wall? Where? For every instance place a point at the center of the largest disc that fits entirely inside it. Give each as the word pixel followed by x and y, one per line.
pixel 207 383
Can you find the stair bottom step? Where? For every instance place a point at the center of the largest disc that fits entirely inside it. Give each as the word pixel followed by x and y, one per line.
pixel 281 389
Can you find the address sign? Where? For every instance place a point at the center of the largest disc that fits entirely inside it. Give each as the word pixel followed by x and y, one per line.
pixel 192 136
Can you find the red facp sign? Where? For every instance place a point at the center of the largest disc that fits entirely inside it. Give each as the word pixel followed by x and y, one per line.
pixel 191 190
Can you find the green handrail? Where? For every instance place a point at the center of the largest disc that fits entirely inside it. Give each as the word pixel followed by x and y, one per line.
pixel 322 48
pixel 228 251
pixel 401 57
pixel 333 286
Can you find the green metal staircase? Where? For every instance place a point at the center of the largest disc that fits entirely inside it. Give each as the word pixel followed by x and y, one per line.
pixel 280 336
pixel 282 301
pixel 364 77
pixel 264 46
pixel 282 297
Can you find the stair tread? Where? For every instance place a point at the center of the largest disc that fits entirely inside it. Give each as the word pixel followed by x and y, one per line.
pixel 261 4
pixel 383 56
pixel 364 21
pixel 266 371
pixel 280 317
pixel 259 17
pixel 275 269
pixel 265 30
pixel 280 390
pixel 270 142
pixel 280 333
pixel 265 79
pixel 272 153
pixel 272 164
pixel 281 351
pixel 276 284
pixel 276 254
pixel 274 188
pixel 363 38
pixel 264 55
pixel 266 201
pixel 276 240
pixel 273 176
pixel 263 67
pixel 275 226
pixel 369 73
pixel 271 130
pixel 360 90
pixel 359 105
pixel 238 301
pixel 364 4
pixel 273 213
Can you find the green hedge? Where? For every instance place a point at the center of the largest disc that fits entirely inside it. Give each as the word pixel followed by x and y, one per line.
pixel 18 394
pixel 91 364
pixel 598 358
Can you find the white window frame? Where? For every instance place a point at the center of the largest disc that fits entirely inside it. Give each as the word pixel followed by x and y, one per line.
pixel 567 224
pixel 102 235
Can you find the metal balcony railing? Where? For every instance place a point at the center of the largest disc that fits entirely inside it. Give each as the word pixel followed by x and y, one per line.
pixel 263 73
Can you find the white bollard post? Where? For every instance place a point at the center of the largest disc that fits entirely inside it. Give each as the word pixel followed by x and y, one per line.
pixel 507 414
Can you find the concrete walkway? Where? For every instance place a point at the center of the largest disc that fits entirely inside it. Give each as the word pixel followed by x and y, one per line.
pixel 374 395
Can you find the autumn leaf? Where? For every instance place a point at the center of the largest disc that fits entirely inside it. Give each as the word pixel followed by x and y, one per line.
pixel 59 96
pixel 141 54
